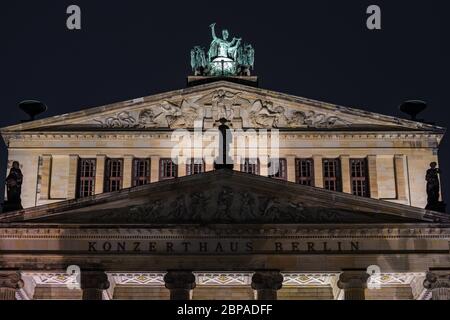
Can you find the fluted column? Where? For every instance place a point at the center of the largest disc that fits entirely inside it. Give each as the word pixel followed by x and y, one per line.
pixel 93 283
pixel 180 283
pixel 10 282
pixel 354 284
pixel 439 284
pixel 267 283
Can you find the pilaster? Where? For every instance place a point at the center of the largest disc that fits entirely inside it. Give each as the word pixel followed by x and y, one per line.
pixel 100 174
pixel 318 171
pixel 345 173
pixel 46 173
pixel 154 164
pixel 127 171
pixel 373 176
pixel 400 180
pixel 73 175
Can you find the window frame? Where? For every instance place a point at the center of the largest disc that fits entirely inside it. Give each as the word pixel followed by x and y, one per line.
pixel 359 180
pixel 337 178
pixel 109 178
pixel 161 169
pixel 191 165
pixel 145 179
pixel 257 164
pixel 83 178
pixel 282 169
pixel 310 178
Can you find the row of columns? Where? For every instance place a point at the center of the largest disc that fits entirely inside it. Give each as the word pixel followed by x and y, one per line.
pixel 266 283
pixel 399 171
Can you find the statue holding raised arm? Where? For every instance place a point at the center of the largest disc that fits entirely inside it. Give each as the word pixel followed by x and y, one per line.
pixel 224 57
pixel 221 47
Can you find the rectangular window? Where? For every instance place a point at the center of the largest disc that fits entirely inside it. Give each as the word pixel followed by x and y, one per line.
pixel 141 172
pixel 86 177
pixel 195 166
pixel 113 175
pixel 359 178
pixel 281 173
pixel 332 174
pixel 167 169
pixel 250 166
pixel 304 172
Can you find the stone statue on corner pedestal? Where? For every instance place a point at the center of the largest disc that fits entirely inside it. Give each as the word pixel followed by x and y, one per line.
pixel 433 188
pixel 13 189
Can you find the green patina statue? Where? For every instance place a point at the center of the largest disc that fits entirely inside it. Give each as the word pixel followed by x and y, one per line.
pixel 225 58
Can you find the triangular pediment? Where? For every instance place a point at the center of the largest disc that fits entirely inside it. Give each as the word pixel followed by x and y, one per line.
pixel 244 107
pixel 223 196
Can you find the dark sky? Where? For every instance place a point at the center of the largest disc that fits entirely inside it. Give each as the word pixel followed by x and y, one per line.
pixel 316 49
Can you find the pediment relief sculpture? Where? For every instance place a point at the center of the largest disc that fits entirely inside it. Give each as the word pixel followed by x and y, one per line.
pixel 224 204
pixel 221 104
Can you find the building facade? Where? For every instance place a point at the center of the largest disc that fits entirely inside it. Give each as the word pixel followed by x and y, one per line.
pixel 141 213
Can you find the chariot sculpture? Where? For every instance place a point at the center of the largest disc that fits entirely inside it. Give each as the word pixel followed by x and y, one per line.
pixel 224 57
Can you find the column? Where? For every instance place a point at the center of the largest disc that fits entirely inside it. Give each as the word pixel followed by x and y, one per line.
pixel 100 174
pixel 318 171
pixel 354 283
pixel 73 174
pixel 180 283
pixel 373 176
pixel 93 283
pixel 400 181
pixel 438 282
pixel 154 164
pixel 345 173
pixel 10 282
pixel 267 283
pixel 290 163
pixel 127 171
pixel 46 172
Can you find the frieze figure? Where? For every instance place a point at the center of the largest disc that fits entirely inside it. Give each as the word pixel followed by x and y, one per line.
pixel 199 205
pixel 224 202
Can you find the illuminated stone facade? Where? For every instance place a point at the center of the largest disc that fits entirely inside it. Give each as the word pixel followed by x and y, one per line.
pixel 349 196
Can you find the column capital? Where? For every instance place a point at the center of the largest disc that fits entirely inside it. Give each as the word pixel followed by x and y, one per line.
pixel 179 279
pixel 94 280
pixel 267 280
pixel 180 283
pixel 353 279
pixel 437 279
pixel 11 280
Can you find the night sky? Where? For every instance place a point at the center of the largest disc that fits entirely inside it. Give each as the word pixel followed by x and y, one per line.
pixel 316 49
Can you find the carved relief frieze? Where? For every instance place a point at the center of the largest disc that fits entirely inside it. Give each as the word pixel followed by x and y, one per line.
pixel 235 107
